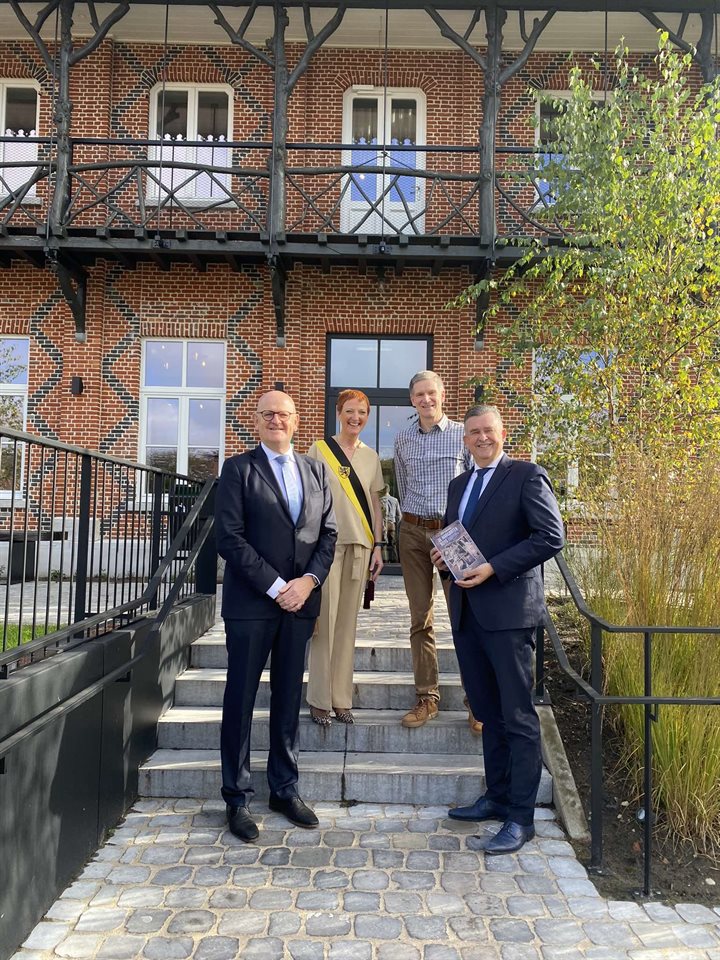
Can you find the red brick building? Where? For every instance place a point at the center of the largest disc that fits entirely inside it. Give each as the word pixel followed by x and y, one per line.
pixel 191 212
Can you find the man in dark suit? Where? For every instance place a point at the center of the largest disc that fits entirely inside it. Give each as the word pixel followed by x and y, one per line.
pixel 508 508
pixel 276 529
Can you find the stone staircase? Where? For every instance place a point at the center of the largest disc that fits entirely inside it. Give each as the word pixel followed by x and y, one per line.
pixel 373 760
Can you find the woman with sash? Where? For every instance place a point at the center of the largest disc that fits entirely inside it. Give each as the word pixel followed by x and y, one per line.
pixel 356 481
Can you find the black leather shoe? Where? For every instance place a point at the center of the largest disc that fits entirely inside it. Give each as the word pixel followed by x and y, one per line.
pixel 295 810
pixel 510 838
pixel 241 824
pixel 482 809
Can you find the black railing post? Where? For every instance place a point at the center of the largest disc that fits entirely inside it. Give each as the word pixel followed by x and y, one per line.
pixel 206 565
pixel 83 537
pixel 650 716
pixel 156 531
pixel 596 748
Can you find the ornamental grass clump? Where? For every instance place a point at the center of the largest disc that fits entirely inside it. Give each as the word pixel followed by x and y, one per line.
pixel 657 563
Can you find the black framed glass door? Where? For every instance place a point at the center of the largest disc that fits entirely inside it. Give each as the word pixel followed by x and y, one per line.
pixel 382 368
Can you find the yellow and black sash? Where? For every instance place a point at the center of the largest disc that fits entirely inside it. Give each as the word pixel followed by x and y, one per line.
pixel 349 481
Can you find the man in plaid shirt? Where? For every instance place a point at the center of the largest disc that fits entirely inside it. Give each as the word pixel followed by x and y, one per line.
pixel 428 455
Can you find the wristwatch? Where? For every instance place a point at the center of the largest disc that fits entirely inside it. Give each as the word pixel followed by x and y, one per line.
pixel 380 543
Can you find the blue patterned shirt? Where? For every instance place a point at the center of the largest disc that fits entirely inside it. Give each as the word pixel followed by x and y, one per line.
pixel 425 463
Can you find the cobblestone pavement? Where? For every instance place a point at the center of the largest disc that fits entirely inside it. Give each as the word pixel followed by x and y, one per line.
pixel 375 882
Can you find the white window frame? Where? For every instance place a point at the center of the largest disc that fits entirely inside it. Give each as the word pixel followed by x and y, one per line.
pixel 201 190
pixel 17 390
pixel 11 152
pixel 352 211
pixel 184 394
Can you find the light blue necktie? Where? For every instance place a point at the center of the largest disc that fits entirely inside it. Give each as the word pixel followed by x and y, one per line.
pixel 292 490
pixel 474 495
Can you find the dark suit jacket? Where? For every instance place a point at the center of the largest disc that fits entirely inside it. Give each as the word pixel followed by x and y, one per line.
pixel 255 534
pixel 517 526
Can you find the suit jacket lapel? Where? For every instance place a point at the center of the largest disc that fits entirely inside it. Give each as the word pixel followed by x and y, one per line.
pixel 262 465
pixel 499 474
pixel 305 478
pixel 458 493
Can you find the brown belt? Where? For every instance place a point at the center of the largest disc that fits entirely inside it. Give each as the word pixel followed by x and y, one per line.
pixel 430 523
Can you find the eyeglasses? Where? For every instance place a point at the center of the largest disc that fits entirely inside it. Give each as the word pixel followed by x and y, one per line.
pixel 269 415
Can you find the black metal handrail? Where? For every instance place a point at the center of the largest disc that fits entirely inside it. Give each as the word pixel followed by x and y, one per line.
pixel 125 536
pixel 594 691
pixel 132 189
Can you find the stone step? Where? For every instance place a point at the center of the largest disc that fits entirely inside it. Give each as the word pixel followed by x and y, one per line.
pixel 374 731
pixel 334 776
pixel 376 690
pixel 381 653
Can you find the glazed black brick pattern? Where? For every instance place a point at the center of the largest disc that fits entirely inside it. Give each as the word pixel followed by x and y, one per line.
pixel 254 381
pixel 111 356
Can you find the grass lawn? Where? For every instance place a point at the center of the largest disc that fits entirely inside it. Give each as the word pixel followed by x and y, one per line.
pixel 10 636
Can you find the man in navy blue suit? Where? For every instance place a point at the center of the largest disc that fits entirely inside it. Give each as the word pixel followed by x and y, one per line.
pixel 276 529
pixel 510 511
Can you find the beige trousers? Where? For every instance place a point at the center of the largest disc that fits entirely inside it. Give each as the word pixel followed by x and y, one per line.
pixel 332 648
pixel 418 572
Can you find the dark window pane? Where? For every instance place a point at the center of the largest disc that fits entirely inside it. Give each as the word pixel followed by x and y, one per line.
pixel 164 458
pixel 400 360
pixel 162 421
pixel 353 363
pixel 364 120
pixel 205 364
pixel 12 412
pixel 204 426
pixel 203 463
pixel 163 363
pixel 391 421
pixel 20 109
pixel 403 121
pixel 14 360
pixel 212 114
pixel 172 113
pixel 11 456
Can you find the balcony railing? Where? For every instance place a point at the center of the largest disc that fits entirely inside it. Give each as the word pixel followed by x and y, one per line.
pixel 206 186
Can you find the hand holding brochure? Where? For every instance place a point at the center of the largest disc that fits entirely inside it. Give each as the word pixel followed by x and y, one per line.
pixel 458 549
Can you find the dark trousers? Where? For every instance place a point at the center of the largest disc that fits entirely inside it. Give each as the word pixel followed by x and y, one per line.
pixel 248 643
pixel 497 671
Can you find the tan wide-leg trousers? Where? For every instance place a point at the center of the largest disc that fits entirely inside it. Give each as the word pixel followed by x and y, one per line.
pixel 332 648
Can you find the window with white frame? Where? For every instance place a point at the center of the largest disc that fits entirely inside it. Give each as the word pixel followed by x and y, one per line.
pixel 184 115
pixel 183 406
pixel 18 124
pixel 383 126
pixel 14 361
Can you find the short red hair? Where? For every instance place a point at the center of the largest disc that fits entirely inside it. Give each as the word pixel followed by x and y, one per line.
pixel 346 395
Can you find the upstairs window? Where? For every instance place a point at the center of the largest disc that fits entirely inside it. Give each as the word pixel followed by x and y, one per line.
pixel 14 361
pixel 182 114
pixel 183 406
pixel 550 108
pixel 383 127
pixel 18 123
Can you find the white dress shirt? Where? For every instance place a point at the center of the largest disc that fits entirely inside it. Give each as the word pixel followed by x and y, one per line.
pixel 276 468
pixel 473 480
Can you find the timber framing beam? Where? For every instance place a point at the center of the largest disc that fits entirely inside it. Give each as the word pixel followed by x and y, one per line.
pixel 581 6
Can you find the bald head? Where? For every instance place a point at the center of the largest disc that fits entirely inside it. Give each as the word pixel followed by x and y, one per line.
pixel 276 420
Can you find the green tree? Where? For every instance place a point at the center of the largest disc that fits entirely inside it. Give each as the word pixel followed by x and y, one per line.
pixel 624 314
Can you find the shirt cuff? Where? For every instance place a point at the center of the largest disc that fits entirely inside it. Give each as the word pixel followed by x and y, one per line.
pixel 275 588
